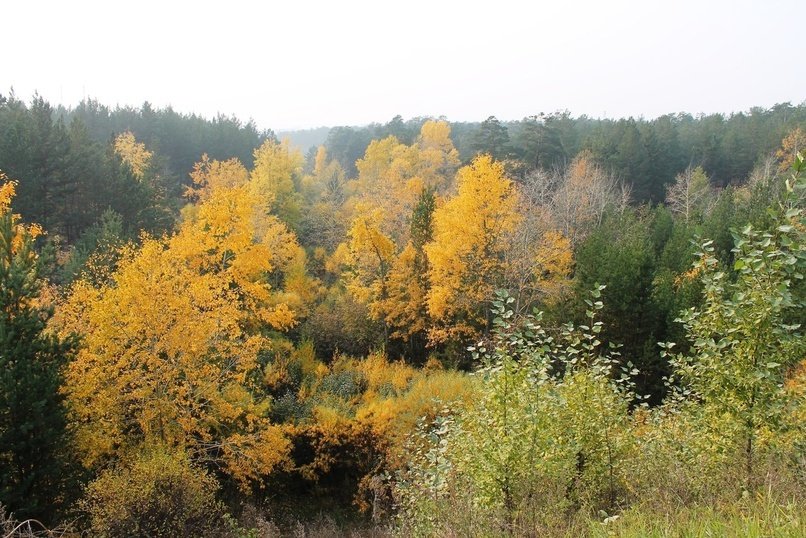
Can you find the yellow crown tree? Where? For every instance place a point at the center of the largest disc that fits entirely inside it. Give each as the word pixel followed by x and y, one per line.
pixel 171 342
pixel 467 255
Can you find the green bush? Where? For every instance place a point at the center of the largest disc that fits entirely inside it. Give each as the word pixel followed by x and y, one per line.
pixel 549 434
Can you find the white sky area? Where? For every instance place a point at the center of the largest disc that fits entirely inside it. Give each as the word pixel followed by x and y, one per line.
pixel 306 63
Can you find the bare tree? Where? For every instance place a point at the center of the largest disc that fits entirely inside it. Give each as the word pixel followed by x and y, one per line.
pixel 690 194
pixel 576 198
pixel 558 209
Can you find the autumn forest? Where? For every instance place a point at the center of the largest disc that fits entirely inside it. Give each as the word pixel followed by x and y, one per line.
pixel 558 326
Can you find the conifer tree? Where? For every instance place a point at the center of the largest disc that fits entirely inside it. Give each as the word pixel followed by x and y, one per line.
pixel 32 417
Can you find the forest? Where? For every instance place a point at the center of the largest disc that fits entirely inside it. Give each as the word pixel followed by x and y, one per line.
pixel 559 326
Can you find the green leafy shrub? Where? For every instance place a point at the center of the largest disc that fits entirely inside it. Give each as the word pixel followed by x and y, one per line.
pixel 549 432
pixel 745 339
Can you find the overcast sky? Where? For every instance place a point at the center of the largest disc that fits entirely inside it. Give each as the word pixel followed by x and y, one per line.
pixel 307 63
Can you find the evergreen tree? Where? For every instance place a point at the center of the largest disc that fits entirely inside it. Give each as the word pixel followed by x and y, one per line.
pixel 32 418
pixel 619 254
pixel 492 137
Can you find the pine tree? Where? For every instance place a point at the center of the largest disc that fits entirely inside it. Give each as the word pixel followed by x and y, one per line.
pixel 492 137
pixel 32 417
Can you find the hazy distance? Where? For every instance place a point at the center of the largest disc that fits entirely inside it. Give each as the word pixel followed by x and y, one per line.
pixel 305 64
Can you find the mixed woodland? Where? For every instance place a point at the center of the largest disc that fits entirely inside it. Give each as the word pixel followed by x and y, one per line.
pixel 558 326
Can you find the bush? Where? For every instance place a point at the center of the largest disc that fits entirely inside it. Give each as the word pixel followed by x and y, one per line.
pixel 549 432
pixel 158 495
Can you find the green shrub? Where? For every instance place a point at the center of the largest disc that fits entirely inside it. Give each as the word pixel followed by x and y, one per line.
pixel 549 433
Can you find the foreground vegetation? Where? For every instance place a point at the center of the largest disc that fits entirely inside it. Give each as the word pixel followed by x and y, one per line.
pixel 429 345
pixel 558 432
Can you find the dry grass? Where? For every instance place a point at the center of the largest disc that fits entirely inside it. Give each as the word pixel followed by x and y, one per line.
pixel 29 528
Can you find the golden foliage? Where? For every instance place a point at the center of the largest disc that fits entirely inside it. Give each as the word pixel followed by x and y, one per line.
pixel 320 161
pixel 7 191
pixel 23 234
pixel 688 276
pixel 539 260
pixel 209 175
pixel 439 159
pixel 391 175
pixel 133 153
pixel 466 256
pixel 404 307
pixel 366 258
pixel 394 410
pixel 366 406
pixel 387 181
pixel 382 269
pixel 552 262
pixel 275 179
pixel 171 341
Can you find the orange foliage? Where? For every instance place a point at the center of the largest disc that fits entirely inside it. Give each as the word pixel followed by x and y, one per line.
pixel 792 143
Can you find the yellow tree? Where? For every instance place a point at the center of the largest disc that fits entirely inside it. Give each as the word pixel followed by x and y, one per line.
pixel 133 153
pixel 392 180
pixel 387 180
pixel 539 263
pixel 170 342
pixel 467 255
pixel 405 308
pixel 392 175
pixel 277 174
pixel 439 159
pixel 323 224
pixel 320 161
pixel 211 175
pixel 386 186
pixel 365 260
pixel 404 303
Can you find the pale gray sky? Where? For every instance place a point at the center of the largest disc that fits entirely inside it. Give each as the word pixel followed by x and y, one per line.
pixel 309 63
